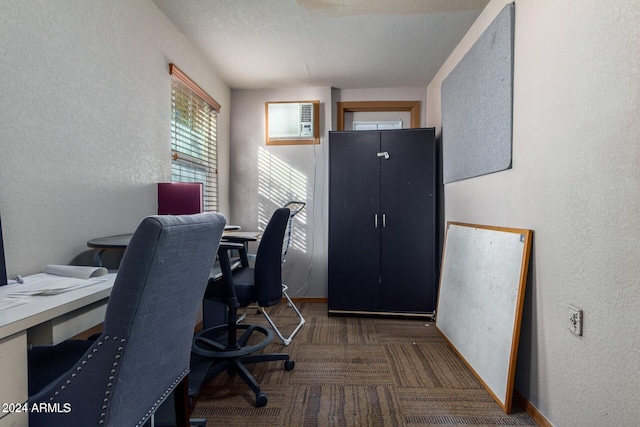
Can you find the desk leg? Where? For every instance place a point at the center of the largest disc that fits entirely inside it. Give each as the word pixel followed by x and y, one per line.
pixel 13 371
pixel 97 257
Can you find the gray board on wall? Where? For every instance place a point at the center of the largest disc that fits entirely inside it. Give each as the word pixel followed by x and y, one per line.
pixel 477 99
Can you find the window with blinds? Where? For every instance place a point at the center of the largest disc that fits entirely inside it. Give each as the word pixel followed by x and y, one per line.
pixel 194 138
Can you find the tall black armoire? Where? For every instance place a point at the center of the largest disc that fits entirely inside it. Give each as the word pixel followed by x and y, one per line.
pixel 382 222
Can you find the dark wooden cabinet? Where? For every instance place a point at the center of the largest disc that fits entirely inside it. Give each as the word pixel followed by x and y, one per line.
pixel 382 222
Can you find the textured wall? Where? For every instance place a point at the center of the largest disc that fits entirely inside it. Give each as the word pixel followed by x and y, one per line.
pixel 265 177
pixel 85 121
pixel 575 181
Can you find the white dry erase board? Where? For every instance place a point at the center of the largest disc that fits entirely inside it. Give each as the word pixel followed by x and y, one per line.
pixel 482 284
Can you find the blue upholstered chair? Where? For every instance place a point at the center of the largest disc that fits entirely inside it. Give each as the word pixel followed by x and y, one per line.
pixel 122 377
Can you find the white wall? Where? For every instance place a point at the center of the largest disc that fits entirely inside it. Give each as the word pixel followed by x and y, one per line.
pixel 263 178
pixel 85 122
pixel 576 182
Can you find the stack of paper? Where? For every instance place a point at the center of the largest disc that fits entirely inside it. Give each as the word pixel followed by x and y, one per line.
pixel 77 271
pixel 56 280
pixel 47 284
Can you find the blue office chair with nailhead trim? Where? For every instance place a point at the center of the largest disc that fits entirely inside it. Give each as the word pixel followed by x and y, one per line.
pixel 142 356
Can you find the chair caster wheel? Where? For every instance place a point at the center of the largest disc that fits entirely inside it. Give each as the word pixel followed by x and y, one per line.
pixel 261 400
pixel 289 365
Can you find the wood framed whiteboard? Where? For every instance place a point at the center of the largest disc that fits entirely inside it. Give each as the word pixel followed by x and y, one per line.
pixel 482 284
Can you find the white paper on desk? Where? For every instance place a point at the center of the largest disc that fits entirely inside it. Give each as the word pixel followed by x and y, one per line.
pixel 77 271
pixel 47 284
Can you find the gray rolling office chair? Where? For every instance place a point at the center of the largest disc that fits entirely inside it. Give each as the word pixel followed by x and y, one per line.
pixel 294 208
pixel 231 346
pixel 143 354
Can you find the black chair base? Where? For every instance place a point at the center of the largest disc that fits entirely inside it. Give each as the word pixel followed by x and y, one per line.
pixel 212 354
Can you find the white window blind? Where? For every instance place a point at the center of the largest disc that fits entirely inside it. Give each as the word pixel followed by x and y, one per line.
pixel 193 139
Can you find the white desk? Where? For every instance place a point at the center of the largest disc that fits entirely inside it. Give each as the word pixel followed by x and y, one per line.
pixel 45 320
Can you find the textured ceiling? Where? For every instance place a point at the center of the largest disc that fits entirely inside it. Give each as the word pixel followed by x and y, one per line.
pixel 345 44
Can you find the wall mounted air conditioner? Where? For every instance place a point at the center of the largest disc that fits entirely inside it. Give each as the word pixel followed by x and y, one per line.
pixel 290 120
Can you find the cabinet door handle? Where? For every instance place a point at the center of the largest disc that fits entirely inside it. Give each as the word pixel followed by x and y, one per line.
pixel 375 220
pixel 384 220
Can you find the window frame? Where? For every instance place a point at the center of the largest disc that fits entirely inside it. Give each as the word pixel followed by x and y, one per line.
pixel 194 141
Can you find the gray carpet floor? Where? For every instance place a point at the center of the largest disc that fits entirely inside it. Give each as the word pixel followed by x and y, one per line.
pixel 356 371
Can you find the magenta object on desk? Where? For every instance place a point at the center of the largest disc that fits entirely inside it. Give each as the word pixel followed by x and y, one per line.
pixel 179 198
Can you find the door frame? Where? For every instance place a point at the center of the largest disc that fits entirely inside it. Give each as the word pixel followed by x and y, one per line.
pixel 413 107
